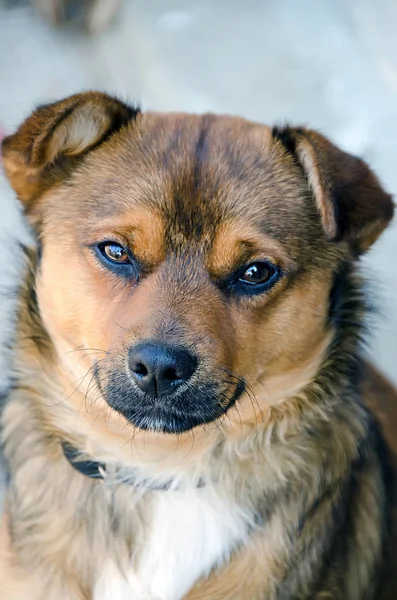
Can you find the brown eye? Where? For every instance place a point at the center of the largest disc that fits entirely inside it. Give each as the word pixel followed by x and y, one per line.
pixel 117 259
pixel 115 252
pixel 255 278
pixel 257 273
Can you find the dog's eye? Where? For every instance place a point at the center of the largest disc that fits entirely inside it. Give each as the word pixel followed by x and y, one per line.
pixel 257 273
pixel 117 258
pixel 257 277
pixel 114 252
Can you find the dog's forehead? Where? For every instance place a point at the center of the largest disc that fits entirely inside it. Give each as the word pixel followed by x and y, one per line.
pixel 196 172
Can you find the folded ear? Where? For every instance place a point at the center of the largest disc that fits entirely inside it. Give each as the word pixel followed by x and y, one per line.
pixel 55 137
pixel 352 204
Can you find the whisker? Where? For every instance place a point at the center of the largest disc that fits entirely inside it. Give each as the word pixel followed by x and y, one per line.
pixel 249 392
pixel 82 348
pixel 118 324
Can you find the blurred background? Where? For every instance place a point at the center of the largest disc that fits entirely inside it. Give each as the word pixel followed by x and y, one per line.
pixel 330 64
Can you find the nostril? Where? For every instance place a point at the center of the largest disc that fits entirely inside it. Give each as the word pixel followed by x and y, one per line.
pixel 158 369
pixel 171 375
pixel 140 369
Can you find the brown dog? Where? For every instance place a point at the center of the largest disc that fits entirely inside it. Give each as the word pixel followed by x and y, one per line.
pixel 186 418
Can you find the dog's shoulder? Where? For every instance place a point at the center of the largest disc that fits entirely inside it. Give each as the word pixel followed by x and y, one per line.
pixel 380 397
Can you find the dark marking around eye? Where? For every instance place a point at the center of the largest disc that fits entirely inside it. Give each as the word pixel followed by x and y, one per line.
pixel 253 279
pixel 117 258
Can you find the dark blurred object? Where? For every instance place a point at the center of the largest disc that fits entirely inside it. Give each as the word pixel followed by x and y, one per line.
pixel 92 16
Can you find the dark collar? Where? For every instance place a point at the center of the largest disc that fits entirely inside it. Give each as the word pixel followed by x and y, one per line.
pixel 97 470
pixel 89 468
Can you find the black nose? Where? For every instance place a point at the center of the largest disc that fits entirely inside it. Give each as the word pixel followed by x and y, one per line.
pixel 158 369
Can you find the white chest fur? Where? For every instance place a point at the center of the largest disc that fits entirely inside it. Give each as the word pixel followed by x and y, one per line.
pixel 191 532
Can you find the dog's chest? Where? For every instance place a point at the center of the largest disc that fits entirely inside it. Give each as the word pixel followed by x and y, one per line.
pixel 190 532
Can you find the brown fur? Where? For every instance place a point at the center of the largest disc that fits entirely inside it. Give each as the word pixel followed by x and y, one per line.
pixel 196 198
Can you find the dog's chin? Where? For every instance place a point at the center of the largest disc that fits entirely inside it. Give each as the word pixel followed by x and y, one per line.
pixel 172 415
pixel 165 421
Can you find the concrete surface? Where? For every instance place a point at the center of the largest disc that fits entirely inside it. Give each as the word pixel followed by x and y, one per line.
pixel 331 64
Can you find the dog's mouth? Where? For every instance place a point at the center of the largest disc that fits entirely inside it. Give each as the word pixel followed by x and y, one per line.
pixel 174 413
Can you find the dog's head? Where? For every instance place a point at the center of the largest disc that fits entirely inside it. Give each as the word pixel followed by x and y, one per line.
pixel 185 259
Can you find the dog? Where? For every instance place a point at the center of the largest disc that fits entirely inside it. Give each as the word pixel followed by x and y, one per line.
pixel 191 415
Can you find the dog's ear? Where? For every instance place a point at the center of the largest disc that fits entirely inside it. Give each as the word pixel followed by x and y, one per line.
pixel 352 203
pixel 55 137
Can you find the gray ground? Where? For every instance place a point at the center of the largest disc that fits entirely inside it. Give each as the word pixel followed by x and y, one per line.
pixel 331 64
